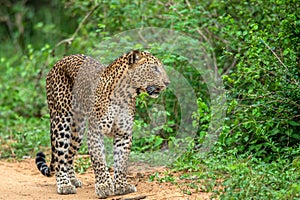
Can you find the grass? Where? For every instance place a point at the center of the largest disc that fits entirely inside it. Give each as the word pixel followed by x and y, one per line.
pixel 224 175
pixel 23 136
pixel 235 177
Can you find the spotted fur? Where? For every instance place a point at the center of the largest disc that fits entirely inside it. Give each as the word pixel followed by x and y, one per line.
pixel 80 90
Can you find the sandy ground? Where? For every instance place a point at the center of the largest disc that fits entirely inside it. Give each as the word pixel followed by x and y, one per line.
pixel 21 180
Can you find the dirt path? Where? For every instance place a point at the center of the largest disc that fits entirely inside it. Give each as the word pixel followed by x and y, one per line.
pixel 21 180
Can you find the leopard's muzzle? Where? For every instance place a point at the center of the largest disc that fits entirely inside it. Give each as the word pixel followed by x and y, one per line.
pixel 153 90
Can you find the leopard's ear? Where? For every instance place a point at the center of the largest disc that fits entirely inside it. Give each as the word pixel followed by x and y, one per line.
pixel 134 56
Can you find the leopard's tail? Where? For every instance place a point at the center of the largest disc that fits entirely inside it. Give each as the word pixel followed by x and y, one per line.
pixel 40 161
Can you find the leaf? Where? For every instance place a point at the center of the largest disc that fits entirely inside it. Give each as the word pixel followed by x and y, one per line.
pixel 295 136
pixel 293 123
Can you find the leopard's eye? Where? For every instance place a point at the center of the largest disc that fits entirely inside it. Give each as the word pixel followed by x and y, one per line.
pixel 156 69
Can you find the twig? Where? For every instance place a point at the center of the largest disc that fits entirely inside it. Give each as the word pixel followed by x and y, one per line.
pixel 277 57
pixel 133 198
pixel 68 41
pixel 274 54
pixel 214 60
pixel 198 30
pixel 233 64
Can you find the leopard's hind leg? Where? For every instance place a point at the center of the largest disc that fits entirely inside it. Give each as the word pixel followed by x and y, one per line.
pixel 77 128
pixel 61 139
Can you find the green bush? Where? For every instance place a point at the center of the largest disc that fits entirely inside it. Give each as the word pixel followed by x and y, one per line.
pixel 241 177
pixel 254 45
pixel 263 87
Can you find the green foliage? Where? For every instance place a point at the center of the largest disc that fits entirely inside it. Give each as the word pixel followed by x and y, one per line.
pixel 19 139
pixel 82 164
pixel 263 88
pixel 254 45
pixel 166 177
pixel 240 177
pixel 151 137
pixel 270 181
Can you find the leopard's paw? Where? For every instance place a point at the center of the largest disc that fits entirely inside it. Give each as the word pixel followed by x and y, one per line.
pixel 105 189
pixel 126 188
pixel 76 182
pixel 66 189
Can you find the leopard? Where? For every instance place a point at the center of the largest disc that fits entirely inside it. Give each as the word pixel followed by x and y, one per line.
pixel 86 97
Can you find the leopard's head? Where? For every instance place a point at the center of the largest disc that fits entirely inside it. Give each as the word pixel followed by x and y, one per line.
pixel 147 73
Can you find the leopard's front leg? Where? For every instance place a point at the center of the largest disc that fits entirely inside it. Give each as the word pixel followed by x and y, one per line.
pixel 122 146
pixel 103 182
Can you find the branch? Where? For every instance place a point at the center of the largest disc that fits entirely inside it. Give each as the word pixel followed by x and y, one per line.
pixel 274 54
pixel 277 57
pixel 198 30
pixel 233 64
pixel 133 198
pixel 68 41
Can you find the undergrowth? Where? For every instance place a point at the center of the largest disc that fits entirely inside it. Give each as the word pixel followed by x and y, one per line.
pixel 234 177
pixel 255 48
